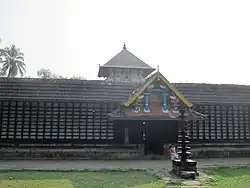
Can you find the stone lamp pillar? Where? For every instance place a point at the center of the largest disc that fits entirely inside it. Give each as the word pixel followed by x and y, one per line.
pixel 184 167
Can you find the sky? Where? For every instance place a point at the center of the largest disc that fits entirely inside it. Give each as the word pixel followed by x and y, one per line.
pixel 194 41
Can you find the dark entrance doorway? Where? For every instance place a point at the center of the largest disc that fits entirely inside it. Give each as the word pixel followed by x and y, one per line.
pixel 158 133
pixel 152 133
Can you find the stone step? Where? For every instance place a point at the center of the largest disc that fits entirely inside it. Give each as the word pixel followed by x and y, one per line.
pixel 184 183
pixel 187 174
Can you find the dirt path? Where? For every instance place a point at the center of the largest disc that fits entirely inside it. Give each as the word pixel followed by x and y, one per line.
pixel 112 164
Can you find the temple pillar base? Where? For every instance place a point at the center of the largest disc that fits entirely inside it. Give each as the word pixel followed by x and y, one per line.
pixel 187 170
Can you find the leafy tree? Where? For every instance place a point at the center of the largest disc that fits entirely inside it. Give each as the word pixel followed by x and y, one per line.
pixel 12 60
pixel 44 73
pixel 47 74
pixel 1 59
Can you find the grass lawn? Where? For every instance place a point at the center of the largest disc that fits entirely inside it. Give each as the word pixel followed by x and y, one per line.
pixel 107 179
pixel 230 177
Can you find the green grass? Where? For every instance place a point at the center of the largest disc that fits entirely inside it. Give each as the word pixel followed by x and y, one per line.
pixel 108 179
pixel 230 177
pixel 35 183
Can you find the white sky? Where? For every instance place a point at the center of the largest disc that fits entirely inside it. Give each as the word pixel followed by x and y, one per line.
pixel 192 41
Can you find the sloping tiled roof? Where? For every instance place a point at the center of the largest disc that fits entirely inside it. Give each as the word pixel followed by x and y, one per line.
pixel 215 93
pixel 42 89
pixel 95 90
pixel 125 59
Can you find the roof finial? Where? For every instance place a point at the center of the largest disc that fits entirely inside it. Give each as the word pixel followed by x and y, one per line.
pixel 158 77
pixel 124 46
pixel 158 68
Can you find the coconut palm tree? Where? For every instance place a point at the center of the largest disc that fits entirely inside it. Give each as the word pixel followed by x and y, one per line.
pixel 13 62
pixel 1 52
pixel 1 59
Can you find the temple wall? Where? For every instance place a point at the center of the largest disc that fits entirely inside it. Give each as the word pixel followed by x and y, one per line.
pixel 224 123
pixel 53 121
pixel 80 122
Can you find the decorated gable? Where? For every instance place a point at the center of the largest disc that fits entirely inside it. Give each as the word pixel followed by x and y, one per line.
pixel 156 98
pixel 159 97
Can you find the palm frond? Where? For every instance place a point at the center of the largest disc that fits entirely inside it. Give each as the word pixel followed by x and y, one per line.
pixel 7 54
pixel 4 70
pixel 13 61
pixel 7 50
pixel 20 53
pixel 5 61
pixel 19 57
pixel 2 51
pixel 20 62
pixel 6 64
pixel 23 67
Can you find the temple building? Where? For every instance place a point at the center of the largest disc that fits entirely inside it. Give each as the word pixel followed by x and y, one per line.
pixel 135 103
pixel 125 67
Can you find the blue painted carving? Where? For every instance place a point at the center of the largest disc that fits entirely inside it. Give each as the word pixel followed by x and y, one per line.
pixel 164 102
pixel 163 87
pixel 175 103
pixel 146 107
pixel 151 86
pixel 150 89
pixel 135 108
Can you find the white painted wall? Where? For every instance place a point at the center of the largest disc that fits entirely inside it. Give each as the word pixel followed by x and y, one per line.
pixel 120 75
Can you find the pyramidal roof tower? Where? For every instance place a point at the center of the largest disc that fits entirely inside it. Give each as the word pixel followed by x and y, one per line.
pixel 125 67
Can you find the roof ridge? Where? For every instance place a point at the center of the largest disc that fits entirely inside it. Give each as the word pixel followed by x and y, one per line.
pixel 103 81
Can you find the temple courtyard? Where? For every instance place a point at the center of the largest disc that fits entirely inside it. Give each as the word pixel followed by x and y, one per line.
pixel 214 172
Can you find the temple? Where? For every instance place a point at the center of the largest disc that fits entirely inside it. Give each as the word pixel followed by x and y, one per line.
pixel 135 105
